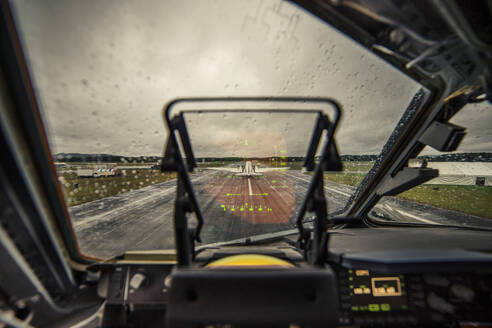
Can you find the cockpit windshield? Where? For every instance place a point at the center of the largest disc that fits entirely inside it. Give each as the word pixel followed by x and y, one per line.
pixel 104 70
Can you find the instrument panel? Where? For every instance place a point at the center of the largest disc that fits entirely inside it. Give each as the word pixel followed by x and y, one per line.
pixel 372 298
pixel 366 298
pixel 376 293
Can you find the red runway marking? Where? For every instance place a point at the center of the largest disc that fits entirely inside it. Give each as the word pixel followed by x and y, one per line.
pixel 272 199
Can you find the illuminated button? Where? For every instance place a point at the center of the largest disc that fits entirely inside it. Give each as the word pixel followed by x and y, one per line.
pixel 381 290
pixel 354 308
pixel 367 290
pixel 137 280
pixel 358 291
pixel 385 307
pixel 390 290
pixel 374 307
pixel 361 272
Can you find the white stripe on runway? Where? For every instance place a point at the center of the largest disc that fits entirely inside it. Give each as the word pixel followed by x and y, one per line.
pixel 329 189
pixel 416 217
pixel 249 185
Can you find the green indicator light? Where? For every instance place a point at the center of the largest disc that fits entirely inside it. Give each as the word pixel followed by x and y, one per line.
pixel 269 210
pixel 283 164
pixel 351 294
pixel 385 307
pixel 350 278
pixel 260 209
pixel 351 286
pixel 273 181
pixel 362 286
pixel 241 209
pixel 223 206
pixel 283 157
pixel 374 307
pixel 232 209
pixel 229 176
pixel 354 308
pixel 363 308
pixel 251 209
pixel 350 271
pixel 283 151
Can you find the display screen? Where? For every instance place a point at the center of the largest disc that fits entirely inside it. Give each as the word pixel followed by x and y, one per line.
pixel 376 292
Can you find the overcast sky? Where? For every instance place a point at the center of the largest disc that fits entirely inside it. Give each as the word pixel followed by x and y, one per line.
pixel 104 69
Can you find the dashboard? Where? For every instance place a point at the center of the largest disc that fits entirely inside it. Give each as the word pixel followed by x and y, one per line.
pixel 371 286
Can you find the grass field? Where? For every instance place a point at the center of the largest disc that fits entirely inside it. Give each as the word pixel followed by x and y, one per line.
pixel 351 179
pixel 362 167
pixel 82 190
pixel 476 200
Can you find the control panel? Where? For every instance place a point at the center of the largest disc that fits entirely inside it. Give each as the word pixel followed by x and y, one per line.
pixel 376 292
pixel 372 298
pixel 135 284
pixel 366 298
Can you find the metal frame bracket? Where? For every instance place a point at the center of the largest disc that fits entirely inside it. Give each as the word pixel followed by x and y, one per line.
pixel 443 136
pixel 406 179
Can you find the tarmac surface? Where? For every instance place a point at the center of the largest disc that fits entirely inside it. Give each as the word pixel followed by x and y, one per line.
pixel 233 207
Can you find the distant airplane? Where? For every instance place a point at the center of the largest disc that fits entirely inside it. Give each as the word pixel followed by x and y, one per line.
pixel 248 170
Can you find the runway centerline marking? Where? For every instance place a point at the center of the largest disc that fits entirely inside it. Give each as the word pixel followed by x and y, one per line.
pixel 249 186
pixel 416 217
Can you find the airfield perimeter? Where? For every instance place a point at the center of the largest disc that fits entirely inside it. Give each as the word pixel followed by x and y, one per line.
pixel 233 207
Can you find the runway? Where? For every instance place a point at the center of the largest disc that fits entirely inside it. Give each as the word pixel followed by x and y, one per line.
pixel 233 207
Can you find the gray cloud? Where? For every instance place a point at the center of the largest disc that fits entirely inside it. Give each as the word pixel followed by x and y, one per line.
pixel 104 69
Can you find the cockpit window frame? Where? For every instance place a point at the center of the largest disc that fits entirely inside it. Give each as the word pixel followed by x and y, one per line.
pixel 28 116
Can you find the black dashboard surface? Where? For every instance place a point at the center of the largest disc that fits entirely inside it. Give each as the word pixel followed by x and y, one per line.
pixel 403 248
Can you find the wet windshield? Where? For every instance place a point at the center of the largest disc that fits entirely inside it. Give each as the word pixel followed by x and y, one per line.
pixel 104 70
pixel 462 193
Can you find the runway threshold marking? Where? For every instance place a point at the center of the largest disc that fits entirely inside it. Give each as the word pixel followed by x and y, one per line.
pixel 334 190
pixel 417 218
pixel 249 186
